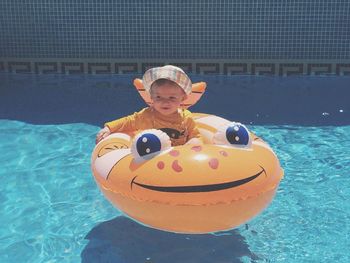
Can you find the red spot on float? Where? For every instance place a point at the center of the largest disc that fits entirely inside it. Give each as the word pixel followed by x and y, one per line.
pixel 223 153
pixel 160 165
pixel 197 148
pixel 176 167
pixel 213 163
pixel 174 153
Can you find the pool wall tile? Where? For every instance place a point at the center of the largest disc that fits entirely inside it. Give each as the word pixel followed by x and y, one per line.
pixel 258 37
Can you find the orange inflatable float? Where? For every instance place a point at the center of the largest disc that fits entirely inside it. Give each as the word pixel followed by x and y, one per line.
pixel 190 188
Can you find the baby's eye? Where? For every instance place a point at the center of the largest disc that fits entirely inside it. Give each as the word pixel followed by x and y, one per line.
pixel 156 98
pixel 149 143
pixel 234 134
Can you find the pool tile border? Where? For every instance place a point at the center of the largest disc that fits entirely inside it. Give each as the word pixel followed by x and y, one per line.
pixel 78 66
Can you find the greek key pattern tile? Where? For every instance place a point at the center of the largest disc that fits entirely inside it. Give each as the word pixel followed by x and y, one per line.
pixel 202 68
pixel 343 69
pixel 235 69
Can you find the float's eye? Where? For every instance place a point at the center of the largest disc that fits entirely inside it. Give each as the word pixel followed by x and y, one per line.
pixel 234 134
pixel 149 143
pixel 237 134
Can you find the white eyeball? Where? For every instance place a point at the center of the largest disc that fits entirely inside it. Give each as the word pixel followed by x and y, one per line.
pixel 234 134
pixel 149 143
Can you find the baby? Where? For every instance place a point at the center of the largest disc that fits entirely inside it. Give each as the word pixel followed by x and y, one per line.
pixel 168 87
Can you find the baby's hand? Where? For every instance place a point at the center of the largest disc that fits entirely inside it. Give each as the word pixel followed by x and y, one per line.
pixel 195 141
pixel 103 133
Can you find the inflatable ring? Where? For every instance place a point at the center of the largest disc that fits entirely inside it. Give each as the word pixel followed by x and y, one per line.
pixel 190 188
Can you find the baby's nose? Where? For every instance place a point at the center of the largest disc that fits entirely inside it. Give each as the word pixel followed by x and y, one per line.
pixel 166 101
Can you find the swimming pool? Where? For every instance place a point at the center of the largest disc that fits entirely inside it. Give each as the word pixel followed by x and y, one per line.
pixel 52 211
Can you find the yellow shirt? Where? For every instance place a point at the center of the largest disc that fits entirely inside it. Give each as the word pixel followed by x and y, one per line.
pixel 179 126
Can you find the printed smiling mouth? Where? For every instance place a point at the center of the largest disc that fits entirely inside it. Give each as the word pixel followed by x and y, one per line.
pixel 199 188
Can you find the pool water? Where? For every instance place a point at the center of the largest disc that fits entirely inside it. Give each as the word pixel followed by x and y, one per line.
pixel 52 211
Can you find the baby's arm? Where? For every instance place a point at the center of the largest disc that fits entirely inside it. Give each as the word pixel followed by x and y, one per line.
pixel 124 124
pixel 195 136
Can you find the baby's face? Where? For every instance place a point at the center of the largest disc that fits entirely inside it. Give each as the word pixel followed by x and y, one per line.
pixel 167 98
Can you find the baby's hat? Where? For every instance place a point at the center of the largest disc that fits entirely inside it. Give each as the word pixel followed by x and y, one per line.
pixel 167 72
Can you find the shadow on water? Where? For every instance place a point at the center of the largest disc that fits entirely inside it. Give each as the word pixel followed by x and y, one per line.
pixel 125 241
pixel 94 99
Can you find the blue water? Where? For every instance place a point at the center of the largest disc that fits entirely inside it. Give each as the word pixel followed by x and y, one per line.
pixel 52 211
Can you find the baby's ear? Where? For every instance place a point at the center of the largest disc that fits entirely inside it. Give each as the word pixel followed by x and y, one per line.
pixel 184 97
